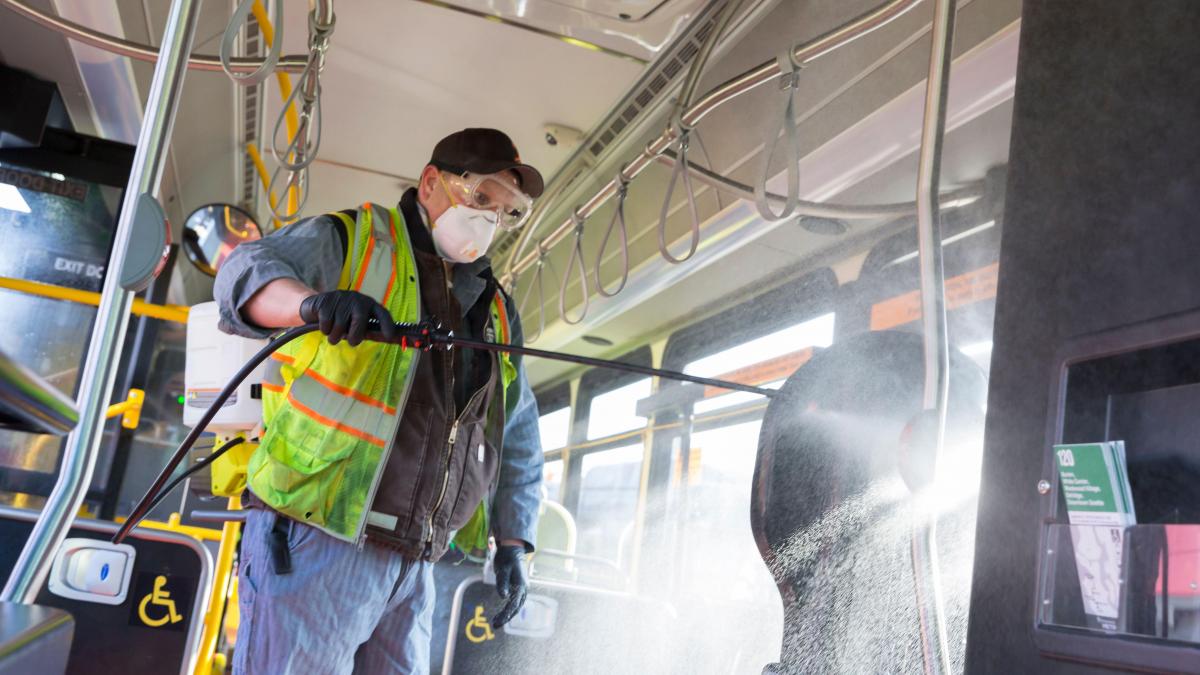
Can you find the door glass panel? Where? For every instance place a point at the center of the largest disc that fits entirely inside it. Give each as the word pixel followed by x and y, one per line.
pixel 56 230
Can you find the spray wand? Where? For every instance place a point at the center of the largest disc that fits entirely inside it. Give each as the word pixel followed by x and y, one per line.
pixel 426 336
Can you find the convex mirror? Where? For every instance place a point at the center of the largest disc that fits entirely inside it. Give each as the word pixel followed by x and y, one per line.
pixel 212 232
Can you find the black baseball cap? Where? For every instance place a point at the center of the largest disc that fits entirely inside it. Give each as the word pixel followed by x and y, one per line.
pixel 485 151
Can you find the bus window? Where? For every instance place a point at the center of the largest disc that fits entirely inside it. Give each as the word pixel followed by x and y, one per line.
pixel 613 412
pixel 765 361
pixel 552 475
pixel 554 427
pixel 608 496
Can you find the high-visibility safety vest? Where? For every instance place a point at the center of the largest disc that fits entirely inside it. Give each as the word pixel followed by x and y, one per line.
pixel 331 411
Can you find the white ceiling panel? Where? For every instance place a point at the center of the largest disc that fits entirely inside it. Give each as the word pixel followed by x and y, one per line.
pixel 401 75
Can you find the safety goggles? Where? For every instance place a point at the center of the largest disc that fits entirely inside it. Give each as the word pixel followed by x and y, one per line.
pixel 489 192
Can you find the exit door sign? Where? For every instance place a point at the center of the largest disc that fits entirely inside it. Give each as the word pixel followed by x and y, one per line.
pixel 63 269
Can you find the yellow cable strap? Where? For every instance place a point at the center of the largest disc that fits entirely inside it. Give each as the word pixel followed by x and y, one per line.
pixel 176 313
pixel 291 119
pixel 264 178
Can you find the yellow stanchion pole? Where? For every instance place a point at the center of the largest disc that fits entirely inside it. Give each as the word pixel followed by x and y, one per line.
pixel 176 313
pixel 220 592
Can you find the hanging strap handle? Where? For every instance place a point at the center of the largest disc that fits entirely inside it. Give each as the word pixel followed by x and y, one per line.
pixel 576 259
pixel 308 134
pixel 618 217
pixel 680 171
pixel 241 15
pixel 708 163
pixel 541 290
pixel 789 79
pixel 297 179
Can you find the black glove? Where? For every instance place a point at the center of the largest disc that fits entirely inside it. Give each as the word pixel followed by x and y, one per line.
pixel 348 314
pixel 509 565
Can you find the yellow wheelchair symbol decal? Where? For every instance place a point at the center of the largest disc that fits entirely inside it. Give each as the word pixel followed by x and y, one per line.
pixel 478 628
pixel 162 598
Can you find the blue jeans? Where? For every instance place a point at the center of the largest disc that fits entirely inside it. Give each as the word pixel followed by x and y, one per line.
pixel 340 610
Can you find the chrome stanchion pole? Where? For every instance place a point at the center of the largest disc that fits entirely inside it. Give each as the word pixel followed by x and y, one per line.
pixel 926 573
pixel 112 317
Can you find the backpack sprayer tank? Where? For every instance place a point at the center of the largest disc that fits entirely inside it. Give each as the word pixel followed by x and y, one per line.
pixel 213 358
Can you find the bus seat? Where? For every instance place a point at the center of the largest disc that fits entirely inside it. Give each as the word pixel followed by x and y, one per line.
pixel 556 532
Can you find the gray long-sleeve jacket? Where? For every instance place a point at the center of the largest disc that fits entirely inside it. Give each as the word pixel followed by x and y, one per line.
pixel 312 251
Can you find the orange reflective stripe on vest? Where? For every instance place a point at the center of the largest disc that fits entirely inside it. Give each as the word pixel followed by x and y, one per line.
pixel 321 419
pixel 501 318
pixel 362 272
pixel 391 285
pixel 346 391
pixel 330 408
pixel 378 271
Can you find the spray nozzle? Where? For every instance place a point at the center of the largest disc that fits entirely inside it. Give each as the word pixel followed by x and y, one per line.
pixel 426 335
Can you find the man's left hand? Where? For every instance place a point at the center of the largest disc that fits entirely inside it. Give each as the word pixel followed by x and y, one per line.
pixel 509 565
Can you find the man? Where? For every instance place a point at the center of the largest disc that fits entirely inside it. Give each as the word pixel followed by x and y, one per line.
pixel 377 456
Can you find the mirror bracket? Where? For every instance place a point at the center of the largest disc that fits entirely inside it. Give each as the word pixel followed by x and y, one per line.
pixel 148 244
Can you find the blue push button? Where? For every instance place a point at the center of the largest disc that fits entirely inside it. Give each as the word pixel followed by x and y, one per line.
pixel 94 570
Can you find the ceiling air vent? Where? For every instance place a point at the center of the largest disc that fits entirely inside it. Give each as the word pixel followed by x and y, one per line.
pixel 689 50
pixel 671 64
pixel 658 75
pixel 250 104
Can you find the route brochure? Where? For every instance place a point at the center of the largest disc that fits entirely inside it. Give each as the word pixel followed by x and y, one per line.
pixel 1099 508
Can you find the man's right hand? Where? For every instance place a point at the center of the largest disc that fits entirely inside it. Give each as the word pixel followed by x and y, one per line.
pixel 346 314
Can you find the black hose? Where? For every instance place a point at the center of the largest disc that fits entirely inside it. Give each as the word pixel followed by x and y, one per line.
pixel 226 447
pixel 143 506
pixel 602 363
pixel 421 336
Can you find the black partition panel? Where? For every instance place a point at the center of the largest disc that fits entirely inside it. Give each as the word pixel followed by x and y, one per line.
pixel 1101 232
pixel 140 635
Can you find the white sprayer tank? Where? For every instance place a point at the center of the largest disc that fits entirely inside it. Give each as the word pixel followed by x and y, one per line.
pixel 213 357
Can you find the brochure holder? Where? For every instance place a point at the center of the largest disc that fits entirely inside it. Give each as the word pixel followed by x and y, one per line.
pixel 1140 385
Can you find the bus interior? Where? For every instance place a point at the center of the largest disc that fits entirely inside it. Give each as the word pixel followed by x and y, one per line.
pixel 951 238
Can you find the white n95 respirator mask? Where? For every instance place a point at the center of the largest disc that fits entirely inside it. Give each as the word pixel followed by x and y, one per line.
pixel 463 234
